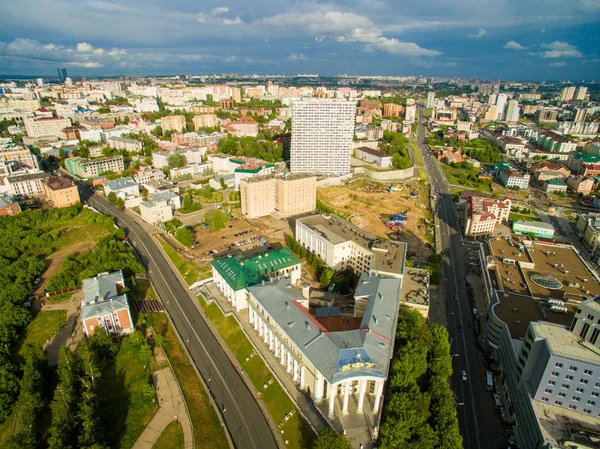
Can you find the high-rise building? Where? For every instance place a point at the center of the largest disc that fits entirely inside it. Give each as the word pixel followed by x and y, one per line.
pixel 322 131
pixel 580 93
pixel 62 74
pixel 568 93
pixel 173 122
pixel 580 114
pixel 40 82
pixel 492 99
pixel 430 100
pixel 500 105
pixel 512 112
pixel 410 113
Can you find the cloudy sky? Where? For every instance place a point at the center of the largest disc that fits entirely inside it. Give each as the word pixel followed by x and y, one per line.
pixel 496 39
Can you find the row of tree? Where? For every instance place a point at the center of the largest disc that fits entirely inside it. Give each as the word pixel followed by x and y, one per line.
pixel 324 274
pixel 394 144
pixel 251 147
pixel 420 407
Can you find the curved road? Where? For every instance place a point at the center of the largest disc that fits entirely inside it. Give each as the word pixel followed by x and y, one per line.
pixel 247 425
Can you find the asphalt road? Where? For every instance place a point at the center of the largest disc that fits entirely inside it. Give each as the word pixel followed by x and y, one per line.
pixel 479 421
pixel 241 413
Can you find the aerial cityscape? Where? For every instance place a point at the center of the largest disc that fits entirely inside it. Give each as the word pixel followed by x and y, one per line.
pixel 300 225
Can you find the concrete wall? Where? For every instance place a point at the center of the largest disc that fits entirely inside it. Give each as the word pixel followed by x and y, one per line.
pixel 390 175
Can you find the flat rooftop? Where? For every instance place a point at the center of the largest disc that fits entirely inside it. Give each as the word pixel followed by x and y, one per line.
pixel 337 230
pixel 415 285
pixel 59 183
pixel 518 311
pixel 566 344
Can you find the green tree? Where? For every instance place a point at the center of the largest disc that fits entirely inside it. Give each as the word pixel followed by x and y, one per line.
pixel 216 219
pixel 64 405
pixel 223 183
pixel 157 132
pixel 325 278
pixel 9 383
pixel 176 161
pixel 185 236
pixel 328 439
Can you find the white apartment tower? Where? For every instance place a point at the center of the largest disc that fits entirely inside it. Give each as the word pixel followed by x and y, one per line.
pixel 501 104
pixel 581 93
pixel 322 131
pixel 568 93
pixel 430 100
pixel 512 113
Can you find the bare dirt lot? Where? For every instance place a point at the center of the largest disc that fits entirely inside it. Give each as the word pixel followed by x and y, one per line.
pixel 368 205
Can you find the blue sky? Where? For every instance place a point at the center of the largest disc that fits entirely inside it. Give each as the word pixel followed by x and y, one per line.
pixel 495 39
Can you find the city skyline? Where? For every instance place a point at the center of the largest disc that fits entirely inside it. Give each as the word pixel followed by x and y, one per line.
pixel 483 39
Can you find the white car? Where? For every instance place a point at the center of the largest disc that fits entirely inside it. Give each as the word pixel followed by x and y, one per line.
pixel 464 375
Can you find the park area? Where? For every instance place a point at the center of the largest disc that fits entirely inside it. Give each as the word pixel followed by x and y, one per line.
pixel 369 206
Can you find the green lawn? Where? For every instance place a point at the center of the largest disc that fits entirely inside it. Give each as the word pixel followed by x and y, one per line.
pixel 514 217
pixel 170 438
pixel 191 271
pixel 122 393
pixel 208 432
pixel 296 429
pixel 423 174
pixel 82 229
pixel 6 427
pixel 466 177
pixel 56 299
pixel 43 327
pixel 417 153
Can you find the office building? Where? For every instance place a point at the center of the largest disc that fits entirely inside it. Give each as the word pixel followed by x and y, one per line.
pixel 89 168
pixel 512 178
pixel 61 191
pixel 104 306
pixel 46 126
pixel 567 93
pixel 500 105
pixel 410 113
pixel 322 136
pixel 482 214
pixel 173 123
pixel 62 74
pixel 512 112
pixel 430 100
pixel 288 195
pixel 586 324
pixel 26 185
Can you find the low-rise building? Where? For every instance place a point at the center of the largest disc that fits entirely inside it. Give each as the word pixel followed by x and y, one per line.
pixel 580 184
pixel 8 206
pixel 482 214
pixel 148 175
pixel 545 171
pixel 539 229
pixel 105 306
pixel 377 157
pixel 17 155
pixel 122 187
pixel 28 184
pixel 555 143
pixel 368 132
pixel 61 191
pixel 159 207
pixel 289 195
pixel 244 126
pixel 512 146
pixel 123 143
pixel 89 168
pixel 555 186
pixel 233 275
pixel 512 178
pixel 584 164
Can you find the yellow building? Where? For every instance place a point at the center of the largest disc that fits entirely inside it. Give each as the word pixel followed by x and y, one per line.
pixel 290 195
pixel 61 192
pixel 173 122
pixel 205 121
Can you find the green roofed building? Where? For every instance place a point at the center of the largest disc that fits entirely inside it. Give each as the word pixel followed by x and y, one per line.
pixel 233 275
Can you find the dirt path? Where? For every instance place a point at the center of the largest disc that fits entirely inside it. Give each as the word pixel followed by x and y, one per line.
pixel 54 262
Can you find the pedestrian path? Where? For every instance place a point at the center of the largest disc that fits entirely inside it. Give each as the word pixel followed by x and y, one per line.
pixel 171 407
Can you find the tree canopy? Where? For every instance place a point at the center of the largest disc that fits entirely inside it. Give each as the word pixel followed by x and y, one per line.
pixel 251 147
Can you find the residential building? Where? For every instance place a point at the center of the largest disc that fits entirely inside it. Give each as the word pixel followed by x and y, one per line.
pixel 193 155
pixel 545 171
pixel 586 324
pixel 61 191
pixel 46 126
pixel 512 178
pixel 105 306
pixel 154 212
pixel 555 186
pixel 580 93
pixel 580 114
pixel 491 115
pixel 513 146
pixel 512 112
pixel 556 143
pixel 501 100
pixel 122 143
pixel 341 244
pixel 205 121
pixel 410 113
pixel 368 132
pixel 392 110
pixel 27 185
pixel 567 93
pixel 430 100
pixel 580 184
pixel 122 187
pixel 540 229
pixel 547 115
pixel 19 156
pixel 8 206
pixel 288 195
pixel 482 214
pixel 19 105
pixel 584 164
pixel 244 126
pixel 234 275
pixel 89 168
pixel 322 136
pixel 173 123
pixel 373 156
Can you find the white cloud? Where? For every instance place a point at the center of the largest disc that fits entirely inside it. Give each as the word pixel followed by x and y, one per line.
pixel 236 21
pixel 589 6
pixel 297 57
pixel 201 18
pixel 85 64
pixel 558 49
pixel 480 34
pixel 346 27
pixel 219 10
pixel 84 47
pixel 512 45
pixel 558 64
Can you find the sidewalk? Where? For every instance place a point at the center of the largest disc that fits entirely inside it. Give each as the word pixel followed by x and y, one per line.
pixel 171 408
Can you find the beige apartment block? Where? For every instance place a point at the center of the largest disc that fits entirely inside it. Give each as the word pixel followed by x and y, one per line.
pixel 205 121
pixel 46 126
pixel 60 191
pixel 173 122
pixel 290 195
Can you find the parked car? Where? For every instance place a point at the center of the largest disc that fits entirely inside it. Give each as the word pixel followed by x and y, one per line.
pixel 464 375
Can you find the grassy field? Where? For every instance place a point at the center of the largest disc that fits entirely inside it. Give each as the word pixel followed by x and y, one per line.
pixel 57 299
pixel 423 174
pixel 43 327
pixel 296 429
pixel 417 153
pixel 466 177
pixel 170 438
pixel 514 217
pixel 122 392
pixel 208 432
pixel 191 271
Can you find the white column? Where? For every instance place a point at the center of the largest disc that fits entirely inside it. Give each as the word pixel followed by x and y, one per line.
pixel 250 315
pixel 295 370
pixel 256 320
pixel 319 387
pixel 266 333
pixel 332 391
pixel 277 345
pixel 271 339
pixel 347 386
pixel 378 394
pixel 260 326
pixel 282 354
pixel 289 362
pixel 362 388
pixel 302 377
